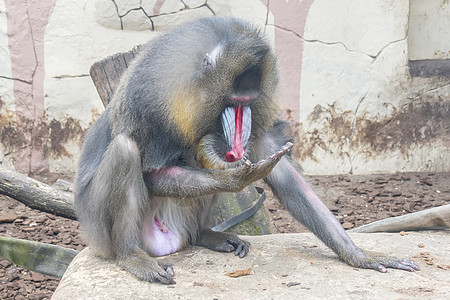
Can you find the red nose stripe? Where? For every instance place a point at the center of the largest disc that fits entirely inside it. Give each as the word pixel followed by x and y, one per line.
pixel 237 151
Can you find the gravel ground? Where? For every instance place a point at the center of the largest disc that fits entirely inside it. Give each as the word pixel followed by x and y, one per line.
pixel 354 199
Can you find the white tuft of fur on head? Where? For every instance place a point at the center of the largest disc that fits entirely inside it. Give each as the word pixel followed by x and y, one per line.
pixel 213 57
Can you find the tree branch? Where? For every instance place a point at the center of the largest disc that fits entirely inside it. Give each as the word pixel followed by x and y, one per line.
pixel 36 194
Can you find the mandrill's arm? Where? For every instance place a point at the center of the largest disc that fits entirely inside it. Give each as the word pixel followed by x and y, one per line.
pixel 188 182
pixel 301 201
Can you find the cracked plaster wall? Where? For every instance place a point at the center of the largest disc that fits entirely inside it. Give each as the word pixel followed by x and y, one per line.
pixel 346 85
pixel 430 20
pixel 360 111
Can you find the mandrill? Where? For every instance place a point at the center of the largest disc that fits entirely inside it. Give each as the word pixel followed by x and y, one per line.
pixel 191 113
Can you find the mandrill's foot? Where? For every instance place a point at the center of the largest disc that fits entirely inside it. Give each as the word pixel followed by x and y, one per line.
pixel 146 268
pixel 223 242
pixel 380 262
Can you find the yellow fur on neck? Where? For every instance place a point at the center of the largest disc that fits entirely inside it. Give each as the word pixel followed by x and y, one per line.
pixel 184 106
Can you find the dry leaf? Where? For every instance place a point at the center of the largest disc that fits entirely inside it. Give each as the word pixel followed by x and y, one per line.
pixel 444 267
pixel 239 273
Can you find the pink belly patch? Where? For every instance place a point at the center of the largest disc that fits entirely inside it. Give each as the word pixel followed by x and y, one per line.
pixel 159 239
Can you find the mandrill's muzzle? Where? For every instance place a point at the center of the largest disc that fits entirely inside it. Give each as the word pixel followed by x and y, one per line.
pixel 236 124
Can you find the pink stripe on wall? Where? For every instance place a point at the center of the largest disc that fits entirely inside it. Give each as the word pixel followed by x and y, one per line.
pixel 290 18
pixel 26 24
pixel 157 7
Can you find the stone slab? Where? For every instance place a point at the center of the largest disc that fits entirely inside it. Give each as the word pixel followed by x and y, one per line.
pixel 283 266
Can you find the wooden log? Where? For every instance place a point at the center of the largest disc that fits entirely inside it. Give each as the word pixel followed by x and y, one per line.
pixel 36 194
pixel 230 204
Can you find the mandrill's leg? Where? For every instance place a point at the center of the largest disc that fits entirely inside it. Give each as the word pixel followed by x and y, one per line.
pixel 119 184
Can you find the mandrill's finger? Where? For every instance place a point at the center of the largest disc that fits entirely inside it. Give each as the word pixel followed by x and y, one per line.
pixel 239 249
pixel 381 263
pixel 285 149
pixel 274 158
pixel 166 267
pixel 163 273
pixel 244 250
pixel 403 264
pixel 381 268
pixel 288 146
pixel 164 278
pixel 411 264
pixel 248 163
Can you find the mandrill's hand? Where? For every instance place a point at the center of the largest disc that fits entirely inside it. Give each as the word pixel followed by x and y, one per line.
pixel 380 261
pixel 242 176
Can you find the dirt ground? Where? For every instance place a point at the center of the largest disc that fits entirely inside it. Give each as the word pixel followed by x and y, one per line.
pixel 354 199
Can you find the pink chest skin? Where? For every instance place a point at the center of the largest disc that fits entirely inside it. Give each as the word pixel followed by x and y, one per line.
pixel 159 239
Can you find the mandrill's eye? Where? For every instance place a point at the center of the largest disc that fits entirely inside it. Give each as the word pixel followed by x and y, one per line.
pixel 248 82
pixel 236 124
pixel 246 86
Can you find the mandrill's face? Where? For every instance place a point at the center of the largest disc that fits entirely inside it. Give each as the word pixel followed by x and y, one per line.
pixel 228 99
pixel 239 94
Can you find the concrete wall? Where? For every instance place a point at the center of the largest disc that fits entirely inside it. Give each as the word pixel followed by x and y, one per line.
pixel 429 30
pixel 346 81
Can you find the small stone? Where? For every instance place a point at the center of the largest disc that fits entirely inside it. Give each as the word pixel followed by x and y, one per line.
pixel 333 208
pixel 395 177
pixel 28 229
pixel 37 277
pixel 271 207
pixel 406 177
pixel 427 182
pixel 380 180
pixel 5 263
pixel 396 193
pixel 7 216
pixel 38 295
pixel 292 283
pixel 374 193
pixel 407 207
pixel 50 216
pixel 347 225
pixel 40 219
pixel 347 212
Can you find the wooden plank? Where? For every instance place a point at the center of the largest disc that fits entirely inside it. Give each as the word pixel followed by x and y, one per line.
pixel 106 73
